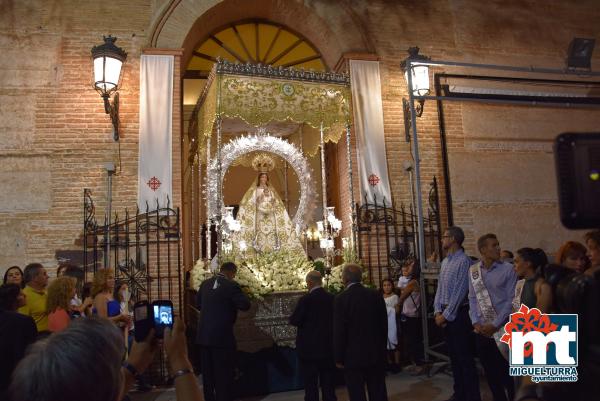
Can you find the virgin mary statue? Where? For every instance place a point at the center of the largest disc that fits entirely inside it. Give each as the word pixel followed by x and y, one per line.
pixel 265 223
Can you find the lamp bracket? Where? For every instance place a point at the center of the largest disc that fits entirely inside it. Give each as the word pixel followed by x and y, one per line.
pixel 407 117
pixel 113 111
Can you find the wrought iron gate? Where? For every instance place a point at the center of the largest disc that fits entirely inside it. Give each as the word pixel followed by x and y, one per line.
pixel 143 249
pixel 388 236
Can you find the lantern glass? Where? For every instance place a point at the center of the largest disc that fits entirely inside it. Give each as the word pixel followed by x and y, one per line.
pixel 107 71
pixel 420 80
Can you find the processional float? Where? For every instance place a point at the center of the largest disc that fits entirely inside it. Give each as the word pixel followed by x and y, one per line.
pixel 260 95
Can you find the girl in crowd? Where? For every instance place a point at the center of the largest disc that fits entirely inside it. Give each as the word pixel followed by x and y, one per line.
pixel 529 265
pixel 60 293
pixel 410 322
pixel 61 270
pixel 14 275
pixel 572 255
pixel 123 296
pixel 393 308
pixel 105 305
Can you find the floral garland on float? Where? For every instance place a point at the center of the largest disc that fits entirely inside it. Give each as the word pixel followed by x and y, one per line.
pixel 261 273
pixel 264 273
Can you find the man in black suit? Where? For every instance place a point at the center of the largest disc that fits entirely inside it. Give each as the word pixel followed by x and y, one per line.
pixel 218 299
pixel 360 337
pixel 314 318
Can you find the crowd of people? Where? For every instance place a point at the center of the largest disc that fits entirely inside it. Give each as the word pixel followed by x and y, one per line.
pixel 473 302
pixel 50 332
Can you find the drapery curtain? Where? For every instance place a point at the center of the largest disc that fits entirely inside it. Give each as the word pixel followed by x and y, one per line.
pixel 368 124
pixel 156 122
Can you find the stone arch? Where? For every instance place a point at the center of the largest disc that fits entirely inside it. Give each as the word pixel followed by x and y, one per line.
pixel 184 23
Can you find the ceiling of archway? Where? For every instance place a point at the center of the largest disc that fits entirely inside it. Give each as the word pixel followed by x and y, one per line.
pixel 250 41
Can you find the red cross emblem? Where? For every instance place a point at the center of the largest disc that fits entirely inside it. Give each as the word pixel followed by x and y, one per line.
pixel 154 183
pixel 373 180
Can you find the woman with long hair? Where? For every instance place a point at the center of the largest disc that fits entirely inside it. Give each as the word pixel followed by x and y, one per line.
pixel 60 293
pixel 536 292
pixel 105 305
pixel 14 275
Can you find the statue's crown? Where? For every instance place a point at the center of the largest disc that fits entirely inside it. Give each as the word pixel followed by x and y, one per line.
pixel 263 163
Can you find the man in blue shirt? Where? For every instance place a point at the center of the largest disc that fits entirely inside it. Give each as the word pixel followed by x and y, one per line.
pixel 489 312
pixel 452 313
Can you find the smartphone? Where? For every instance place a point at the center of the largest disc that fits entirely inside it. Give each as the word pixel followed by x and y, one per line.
pixel 162 312
pixel 142 320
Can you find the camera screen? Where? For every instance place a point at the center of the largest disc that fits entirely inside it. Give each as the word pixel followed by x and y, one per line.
pixel 163 315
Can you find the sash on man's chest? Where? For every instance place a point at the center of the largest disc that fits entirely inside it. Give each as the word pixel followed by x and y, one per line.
pixel 485 302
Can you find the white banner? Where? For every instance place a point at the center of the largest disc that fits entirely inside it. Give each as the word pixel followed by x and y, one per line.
pixel 156 122
pixel 368 125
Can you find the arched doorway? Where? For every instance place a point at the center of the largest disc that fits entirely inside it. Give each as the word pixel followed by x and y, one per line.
pixel 248 41
pixel 252 41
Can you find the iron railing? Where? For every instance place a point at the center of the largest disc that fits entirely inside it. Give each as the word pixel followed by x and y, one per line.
pixel 143 249
pixel 387 236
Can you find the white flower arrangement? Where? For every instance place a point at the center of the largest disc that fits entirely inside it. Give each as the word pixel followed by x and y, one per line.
pixel 335 283
pixel 198 274
pixel 269 272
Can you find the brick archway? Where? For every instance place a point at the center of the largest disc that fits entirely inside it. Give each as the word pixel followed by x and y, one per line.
pixel 184 23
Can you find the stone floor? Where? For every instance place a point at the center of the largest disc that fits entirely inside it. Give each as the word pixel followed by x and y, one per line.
pixel 401 387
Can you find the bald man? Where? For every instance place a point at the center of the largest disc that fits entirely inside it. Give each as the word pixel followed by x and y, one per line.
pixel 360 337
pixel 314 343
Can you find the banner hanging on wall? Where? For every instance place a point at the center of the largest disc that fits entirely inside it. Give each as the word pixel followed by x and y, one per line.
pixel 368 124
pixel 156 122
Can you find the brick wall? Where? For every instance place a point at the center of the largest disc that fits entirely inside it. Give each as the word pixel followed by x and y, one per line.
pixel 59 136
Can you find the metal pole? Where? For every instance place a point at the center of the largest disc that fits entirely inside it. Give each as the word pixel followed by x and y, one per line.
pixel 324 194
pixel 353 233
pixel 207 197
pixel 110 171
pixel 420 221
pixel 498 67
pixel 199 207
pixel 533 103
pixel 219 191
pixel 413 204
pixel 219 175
pixel 323 175
pixel 285 179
